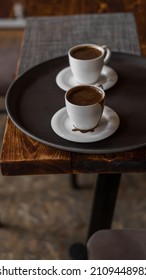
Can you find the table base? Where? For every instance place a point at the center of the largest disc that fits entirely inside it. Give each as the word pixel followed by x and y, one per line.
pixel 106 190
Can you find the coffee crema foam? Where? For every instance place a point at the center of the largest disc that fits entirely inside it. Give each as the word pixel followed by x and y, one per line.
pixel 84 96
pixel 85 53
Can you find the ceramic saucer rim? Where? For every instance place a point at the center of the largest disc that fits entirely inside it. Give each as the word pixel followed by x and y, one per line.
pixel 89 137
pixel 106 85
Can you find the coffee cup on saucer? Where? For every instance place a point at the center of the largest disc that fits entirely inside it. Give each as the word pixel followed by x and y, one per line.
pixel 84 105
pixel 86 62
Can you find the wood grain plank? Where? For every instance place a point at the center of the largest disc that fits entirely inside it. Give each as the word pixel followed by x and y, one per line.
pixel 29 156
pixel 131 161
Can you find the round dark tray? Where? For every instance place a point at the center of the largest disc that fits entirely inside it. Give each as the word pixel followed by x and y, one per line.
pixel 34 97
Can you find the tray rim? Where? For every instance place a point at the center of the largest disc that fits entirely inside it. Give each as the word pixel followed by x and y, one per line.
pixel 57 146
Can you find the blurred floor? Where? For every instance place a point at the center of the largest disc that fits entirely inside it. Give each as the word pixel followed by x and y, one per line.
pixel 42 215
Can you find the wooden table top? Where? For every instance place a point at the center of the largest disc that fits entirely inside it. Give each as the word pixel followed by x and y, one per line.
pixel 55 7
pixel 22 155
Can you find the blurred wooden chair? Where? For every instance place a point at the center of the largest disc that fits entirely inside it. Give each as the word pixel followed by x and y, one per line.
pixel 10 43
pixel 8 61
pixel 124 244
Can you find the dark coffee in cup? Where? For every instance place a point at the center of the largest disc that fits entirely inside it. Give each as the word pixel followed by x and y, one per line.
pixel 86 62
pixel 84 106
pixel 85 52
pixel 84 96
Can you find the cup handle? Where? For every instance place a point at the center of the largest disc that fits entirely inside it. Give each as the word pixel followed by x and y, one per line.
pixel 98 85
pixel 107 54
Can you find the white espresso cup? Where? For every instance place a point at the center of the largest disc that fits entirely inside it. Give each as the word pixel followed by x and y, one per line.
pixel 86 62
pixel 84 105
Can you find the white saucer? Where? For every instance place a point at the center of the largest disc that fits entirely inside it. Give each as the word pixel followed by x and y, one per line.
pixel 107 79
pixel 62 126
